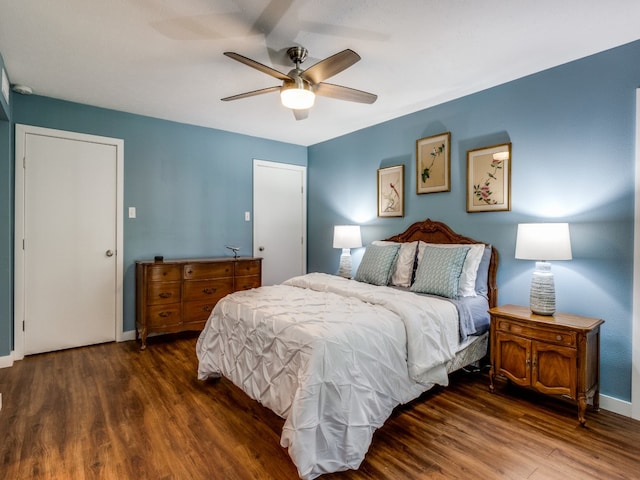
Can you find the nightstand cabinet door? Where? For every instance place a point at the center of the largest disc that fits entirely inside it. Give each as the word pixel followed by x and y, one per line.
pixel 513 359
pixel 553 369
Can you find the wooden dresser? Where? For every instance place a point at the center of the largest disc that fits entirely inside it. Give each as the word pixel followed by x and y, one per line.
pixel 556 355
pixel 177 295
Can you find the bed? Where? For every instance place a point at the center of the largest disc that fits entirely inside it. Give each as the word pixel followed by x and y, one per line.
pixel 334 357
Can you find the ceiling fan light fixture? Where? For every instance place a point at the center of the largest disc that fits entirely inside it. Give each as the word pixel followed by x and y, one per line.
pixel 297 96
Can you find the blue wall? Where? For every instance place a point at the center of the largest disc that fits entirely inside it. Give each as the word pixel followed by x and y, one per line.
pixel 6 223
pixel 572 130
pixel 190 185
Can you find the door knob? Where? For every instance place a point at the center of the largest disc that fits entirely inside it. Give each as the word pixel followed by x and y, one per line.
pixel 109 253
pixel 261 249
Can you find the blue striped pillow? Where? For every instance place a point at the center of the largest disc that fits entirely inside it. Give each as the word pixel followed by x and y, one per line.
pixel 376 265
pixel 439 271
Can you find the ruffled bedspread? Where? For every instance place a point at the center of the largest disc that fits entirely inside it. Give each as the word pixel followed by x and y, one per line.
pixel 332 356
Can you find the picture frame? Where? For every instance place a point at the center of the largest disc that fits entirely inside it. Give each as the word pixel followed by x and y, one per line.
pixel 391 191
pixel 433 164
pixel 489 179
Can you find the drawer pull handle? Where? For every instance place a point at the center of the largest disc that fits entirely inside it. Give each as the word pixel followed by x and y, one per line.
pixel 206 308
pixel 164 314
pixel 558 337
pixel 165 295
pixel 209 291
pixel 189 272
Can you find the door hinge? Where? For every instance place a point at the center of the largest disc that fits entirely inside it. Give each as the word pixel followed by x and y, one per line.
pixel 23 325
pixel 23 244
pixel 24 162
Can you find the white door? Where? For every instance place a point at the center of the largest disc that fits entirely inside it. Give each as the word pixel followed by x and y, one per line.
pixel 70 277
pixel 279 220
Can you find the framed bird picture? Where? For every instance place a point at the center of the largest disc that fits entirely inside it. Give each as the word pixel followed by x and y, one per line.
pixel 391 191
pixel 433 163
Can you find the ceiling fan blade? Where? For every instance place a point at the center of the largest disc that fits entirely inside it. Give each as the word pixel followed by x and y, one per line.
pixel 301 114
pixel 330 66
pixel 344 93
pixel 253 93
pixel 258 66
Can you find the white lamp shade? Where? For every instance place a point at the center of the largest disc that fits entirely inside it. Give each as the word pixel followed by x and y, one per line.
pixel 543 241
pixel 347 236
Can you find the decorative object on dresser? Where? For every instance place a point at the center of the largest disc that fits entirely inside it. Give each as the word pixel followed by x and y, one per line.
pixel 558 355
pixel 543 242
pixel 179 295
pixel 346 237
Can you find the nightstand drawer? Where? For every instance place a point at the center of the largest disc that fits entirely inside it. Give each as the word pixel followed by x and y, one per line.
pixel 557 337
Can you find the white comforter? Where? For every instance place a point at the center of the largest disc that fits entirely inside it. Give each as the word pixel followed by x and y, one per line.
pixel 332 356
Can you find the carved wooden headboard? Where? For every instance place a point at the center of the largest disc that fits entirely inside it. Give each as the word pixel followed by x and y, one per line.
pixel 437 232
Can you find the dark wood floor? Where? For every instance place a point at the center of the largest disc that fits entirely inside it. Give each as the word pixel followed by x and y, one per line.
pixel 113 412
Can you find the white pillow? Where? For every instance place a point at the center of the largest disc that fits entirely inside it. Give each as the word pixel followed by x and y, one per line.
pixel 403 269
pixel 467 286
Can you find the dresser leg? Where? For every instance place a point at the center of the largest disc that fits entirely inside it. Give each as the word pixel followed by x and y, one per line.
pixel 582 408
pixel 491 375
pixel 143 339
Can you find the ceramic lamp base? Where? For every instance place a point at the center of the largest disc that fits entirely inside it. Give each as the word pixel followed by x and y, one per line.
pixel 345 263
pixel 542 298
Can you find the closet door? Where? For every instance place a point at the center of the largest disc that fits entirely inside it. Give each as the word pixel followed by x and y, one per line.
pixel 279 220
pixel 70 275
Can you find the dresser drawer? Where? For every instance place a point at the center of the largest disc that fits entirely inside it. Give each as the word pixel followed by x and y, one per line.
pixel 207 289
pixel 248 267
pixel 164 315
pixel 164 273
pixel 248 282
pixel 163 292
pixel 195 271
pixel 554 336
pixel 198 311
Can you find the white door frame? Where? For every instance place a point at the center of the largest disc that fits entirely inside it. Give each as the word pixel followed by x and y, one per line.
pixel 289 166
pixel 19 265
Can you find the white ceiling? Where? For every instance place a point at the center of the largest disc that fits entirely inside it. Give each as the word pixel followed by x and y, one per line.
pixel 164 58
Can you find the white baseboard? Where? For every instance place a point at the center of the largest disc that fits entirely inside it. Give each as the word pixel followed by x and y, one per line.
pixel 614 405
pixel 6 361
pixel 126 336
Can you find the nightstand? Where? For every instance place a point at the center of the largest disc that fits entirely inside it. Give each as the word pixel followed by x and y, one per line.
pixel 555 355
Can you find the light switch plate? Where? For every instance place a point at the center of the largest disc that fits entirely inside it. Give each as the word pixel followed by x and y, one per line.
pixel 132 212
pixel 247 216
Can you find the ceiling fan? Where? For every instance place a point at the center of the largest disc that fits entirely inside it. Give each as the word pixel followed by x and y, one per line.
pixel 299 87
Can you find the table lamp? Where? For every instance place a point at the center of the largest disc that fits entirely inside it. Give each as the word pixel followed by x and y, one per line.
pixel 543 242
pixel 346 237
